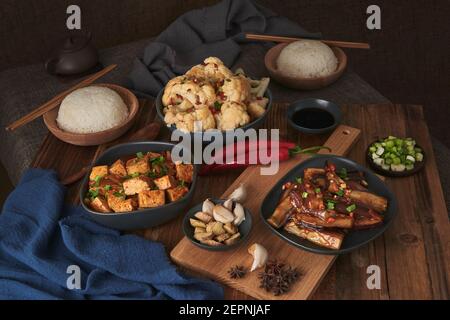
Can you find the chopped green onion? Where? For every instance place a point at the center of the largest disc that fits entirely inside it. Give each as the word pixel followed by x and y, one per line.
pixel 97 180
pixel 93 193
pixel 182 183
pixel 299 180
pixel 157 160
pixel 217 105
pixel 140 155
pixel 343 173
pixel 305 195
pixel 134 175
pixel 317 190
pixel 107 187
pixel 351 208
pixel 119 194
pixel 330 205
pixel 340 193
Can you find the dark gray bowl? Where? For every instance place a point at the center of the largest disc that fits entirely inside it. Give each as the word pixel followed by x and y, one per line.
pixel 244 228
pixel 208 136
pixel 143 218
pixel 310 103
pixel 355 238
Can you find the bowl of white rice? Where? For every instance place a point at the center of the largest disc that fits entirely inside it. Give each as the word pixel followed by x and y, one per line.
pixel 93 115
pixel 305 64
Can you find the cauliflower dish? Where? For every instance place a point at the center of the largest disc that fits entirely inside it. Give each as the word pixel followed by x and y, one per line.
pixel 141 181
pixel 211 97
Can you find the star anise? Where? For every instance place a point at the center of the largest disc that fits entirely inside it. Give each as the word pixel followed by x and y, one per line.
pixel 278 277
pixel 237 272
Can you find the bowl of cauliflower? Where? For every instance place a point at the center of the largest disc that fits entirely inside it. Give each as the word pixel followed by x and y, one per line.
pixel 210 98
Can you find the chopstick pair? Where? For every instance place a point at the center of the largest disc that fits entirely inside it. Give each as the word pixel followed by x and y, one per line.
pixel 54 102
pixel 342 44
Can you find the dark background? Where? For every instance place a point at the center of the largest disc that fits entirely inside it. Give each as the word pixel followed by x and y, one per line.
pixel 408 62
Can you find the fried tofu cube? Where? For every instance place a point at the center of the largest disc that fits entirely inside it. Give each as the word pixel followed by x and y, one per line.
pixel 165 182
pixel 137 165
pixel 98 171
pixel 185 172
pixel 176 193
pixel 100 204
pixel 118 168
pixel 136 185
pixel 151 198
pixel 120 204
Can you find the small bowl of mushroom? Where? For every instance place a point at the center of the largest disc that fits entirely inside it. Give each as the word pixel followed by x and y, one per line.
pixel 217 224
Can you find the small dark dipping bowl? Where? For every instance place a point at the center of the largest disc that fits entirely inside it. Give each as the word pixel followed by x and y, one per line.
pixel 354 238
pixel 313 116
pixel 244 228
pixel 142 218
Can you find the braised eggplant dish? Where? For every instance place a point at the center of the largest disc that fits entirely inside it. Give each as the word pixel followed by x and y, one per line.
pixel 324 205
pixel 143 180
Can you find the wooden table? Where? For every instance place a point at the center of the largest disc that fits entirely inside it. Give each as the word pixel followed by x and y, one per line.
pixel 413 255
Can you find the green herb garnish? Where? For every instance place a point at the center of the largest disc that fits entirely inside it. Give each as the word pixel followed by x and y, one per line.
pixel 343 173
pixel 330 205
pixel 157 160
pixel 340 193
pixel 299 180
pixel 119 195
pixel 305 195
pixel 134 175
pixel 317 190
pixel 107 187
pixel 97 180
pixel 351 208
pixel 217 105
pixel 182 183
pixel 93 193
pixel 140 155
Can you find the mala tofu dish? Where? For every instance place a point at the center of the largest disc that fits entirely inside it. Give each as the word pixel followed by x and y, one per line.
pixel 145 180
pixel 210 96
pixel 324 205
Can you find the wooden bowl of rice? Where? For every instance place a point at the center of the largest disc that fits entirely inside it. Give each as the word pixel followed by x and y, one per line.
pixel 303 83
pixel 116 123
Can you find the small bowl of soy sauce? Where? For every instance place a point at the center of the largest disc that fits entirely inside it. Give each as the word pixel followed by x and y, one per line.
pixel 314 116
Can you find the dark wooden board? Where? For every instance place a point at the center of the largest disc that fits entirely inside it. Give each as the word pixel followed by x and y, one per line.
pixel 413 255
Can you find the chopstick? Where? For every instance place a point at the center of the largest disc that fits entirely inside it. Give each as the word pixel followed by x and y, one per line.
pixel 342 44
pixel 54 102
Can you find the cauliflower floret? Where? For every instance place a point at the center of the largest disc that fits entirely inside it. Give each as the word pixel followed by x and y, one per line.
pixel 212 69
pixel 233 115
pixel 236 88
pixel 192 120
pixel 206 117
pixel 257 107
pixel 185 89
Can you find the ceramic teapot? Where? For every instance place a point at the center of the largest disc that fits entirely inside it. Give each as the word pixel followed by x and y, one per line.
pixel 75 54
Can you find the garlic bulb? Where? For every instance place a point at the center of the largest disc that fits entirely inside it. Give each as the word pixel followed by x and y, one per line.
pixel 259 254
pixel 239 194
pixel 208 206
pixel 239 214
pixel 222 214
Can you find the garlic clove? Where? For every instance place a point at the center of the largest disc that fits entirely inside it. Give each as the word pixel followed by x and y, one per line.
pixel 228 204
pixel 260 256
pixel 239 194
pixel 222 214
pixel 239 213
pixel 208 206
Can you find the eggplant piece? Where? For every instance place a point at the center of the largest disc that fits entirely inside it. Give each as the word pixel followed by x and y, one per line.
pixel 310 174
pixel 367 218
pixel 312 204
pixel 369 200
pixel 281 213
pixel 336 220
pixel 356 185
pixel 324 238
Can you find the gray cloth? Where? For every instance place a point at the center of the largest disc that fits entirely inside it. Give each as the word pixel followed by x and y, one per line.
pixel 212 31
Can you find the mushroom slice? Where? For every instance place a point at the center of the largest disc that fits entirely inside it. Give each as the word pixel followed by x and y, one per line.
pixel 203 216
pixel 197 223
pixel 230 228
pixel 222 214
pixel 203 236
pixel 239 213
pixel 233 239
pixel 208 206
pixel 259 254
pixel 211 242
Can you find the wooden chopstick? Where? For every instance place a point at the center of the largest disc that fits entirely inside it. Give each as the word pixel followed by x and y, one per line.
pixel 342 44
pixel 54 102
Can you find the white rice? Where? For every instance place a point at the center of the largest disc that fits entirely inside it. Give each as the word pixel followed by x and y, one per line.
pixel 91 109
pixel 307 59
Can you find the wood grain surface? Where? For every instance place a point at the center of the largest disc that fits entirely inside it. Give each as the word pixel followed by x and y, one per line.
pixel 413 254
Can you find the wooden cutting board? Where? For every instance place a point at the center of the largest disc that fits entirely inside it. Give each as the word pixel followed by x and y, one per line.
pixel 313 267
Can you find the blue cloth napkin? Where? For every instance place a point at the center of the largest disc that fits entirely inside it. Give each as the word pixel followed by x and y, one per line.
pixel 41 237
pixel 216 31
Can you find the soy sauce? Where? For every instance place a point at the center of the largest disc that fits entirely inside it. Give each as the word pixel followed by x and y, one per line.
pixel 313 118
